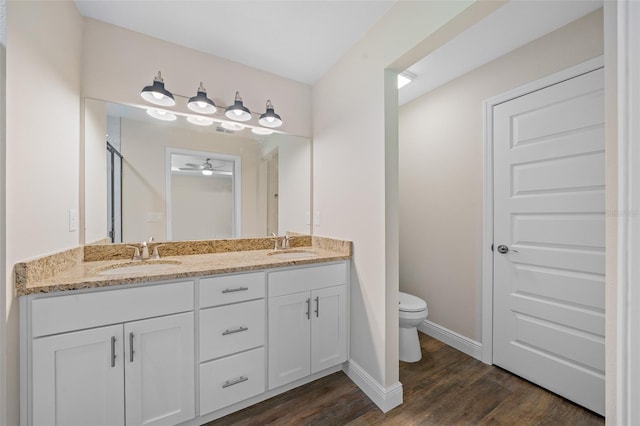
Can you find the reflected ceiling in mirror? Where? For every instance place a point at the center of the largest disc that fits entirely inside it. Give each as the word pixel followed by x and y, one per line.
pixel 125 191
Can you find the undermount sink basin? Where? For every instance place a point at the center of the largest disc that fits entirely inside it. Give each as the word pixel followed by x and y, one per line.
pixel 293 254
pixel 139 267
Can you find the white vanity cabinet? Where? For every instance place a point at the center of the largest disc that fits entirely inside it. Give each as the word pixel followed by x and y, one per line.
pixel 308 321
pixel 137 370
pixel 184 352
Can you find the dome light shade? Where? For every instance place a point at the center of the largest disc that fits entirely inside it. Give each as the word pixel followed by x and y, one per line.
pixel 200 121
pixel 157 94
pixel 261 131
pixel 238 111
pixel 207 172
pixel 235 127
pixel 162 115
pixel 270 118
pixel 201 103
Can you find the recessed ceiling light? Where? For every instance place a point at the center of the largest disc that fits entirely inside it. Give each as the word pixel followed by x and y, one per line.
pixel 405 78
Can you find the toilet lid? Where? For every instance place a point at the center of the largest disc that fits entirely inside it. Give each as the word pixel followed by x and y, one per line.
pixel 411 303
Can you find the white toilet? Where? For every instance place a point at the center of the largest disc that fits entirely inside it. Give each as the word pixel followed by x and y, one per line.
pixel 413 311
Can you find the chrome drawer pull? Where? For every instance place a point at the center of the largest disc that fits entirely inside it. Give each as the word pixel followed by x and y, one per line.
pixel 131 351
pixel 233 290
pixel 113 351
pixel 237 330
pixel 234 382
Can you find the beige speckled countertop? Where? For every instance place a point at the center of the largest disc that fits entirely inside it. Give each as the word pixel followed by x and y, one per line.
pixel 69 270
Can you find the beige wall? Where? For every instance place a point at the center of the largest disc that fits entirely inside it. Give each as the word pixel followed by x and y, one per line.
pixel 201 207
pixel 42 154
pixel 3 295
pixel 441 173
pixel 94 171
pixel 349 174
pixel 144 150
pixel 118 63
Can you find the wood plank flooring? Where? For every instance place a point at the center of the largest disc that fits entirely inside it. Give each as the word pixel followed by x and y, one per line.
pixel 446 387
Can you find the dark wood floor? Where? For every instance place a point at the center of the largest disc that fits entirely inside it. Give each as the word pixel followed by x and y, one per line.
pixel 446 387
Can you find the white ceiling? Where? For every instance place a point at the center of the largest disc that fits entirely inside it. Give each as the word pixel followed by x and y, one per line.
pixel 302 39
pixel 296 39
pixel 511 26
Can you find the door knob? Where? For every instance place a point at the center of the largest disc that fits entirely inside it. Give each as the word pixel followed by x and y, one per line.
pixel 504 249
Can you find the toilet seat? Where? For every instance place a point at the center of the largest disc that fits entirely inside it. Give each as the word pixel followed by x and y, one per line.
pixel 411 303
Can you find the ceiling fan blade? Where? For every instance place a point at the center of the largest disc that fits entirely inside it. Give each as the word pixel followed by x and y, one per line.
pixel 195 166
pixel 189 168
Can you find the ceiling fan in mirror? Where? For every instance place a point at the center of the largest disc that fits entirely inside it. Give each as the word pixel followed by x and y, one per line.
pixel 206 168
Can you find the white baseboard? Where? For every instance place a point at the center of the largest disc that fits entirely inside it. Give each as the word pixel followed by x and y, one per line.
pixel 386 398
pixel 453 339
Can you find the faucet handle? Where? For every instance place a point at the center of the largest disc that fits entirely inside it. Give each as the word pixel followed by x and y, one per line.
pixel 136 252
pixel 156 253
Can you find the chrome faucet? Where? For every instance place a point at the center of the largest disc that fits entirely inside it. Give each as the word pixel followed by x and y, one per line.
pixel 281 243
pixel 145 251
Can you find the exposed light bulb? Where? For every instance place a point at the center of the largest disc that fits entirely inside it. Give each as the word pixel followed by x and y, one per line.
pixel 202 104
pixel 157 95
pixel 237 112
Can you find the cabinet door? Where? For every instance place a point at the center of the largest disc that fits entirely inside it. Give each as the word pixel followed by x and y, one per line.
pixel 78 378
pixel 289 338
pixel 328 327
pixel 159 370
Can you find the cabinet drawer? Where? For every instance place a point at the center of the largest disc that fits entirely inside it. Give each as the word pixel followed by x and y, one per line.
pixel 306 279
pixel 232 379
pixel 59 314
pixel 217 291
pixel 232 328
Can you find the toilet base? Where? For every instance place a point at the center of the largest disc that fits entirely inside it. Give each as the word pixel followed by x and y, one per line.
pixel 410 350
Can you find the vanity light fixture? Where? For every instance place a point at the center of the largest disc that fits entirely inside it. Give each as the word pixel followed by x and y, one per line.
pixel 270 118
pixel 200 121
pixel 201 103
pixel 157 94
pixel 238 111
pixel 261 131
pixel 162 115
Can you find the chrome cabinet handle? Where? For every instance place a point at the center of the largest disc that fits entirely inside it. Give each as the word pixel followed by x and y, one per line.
pixel 237 330
pixel 113 351
pixel 317 307
pixel 308 308
pixel 131 351
pixel 235 381
pixel 233 290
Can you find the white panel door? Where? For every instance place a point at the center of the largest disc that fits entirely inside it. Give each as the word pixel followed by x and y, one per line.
pixel 159 370
pixel 549 206
pixel 78 378
pixel 328 328
pixel 289 338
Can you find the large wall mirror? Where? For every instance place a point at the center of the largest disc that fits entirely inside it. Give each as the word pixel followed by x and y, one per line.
pixel 174 180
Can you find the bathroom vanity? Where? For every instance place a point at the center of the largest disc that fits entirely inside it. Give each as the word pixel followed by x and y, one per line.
pixel 138 349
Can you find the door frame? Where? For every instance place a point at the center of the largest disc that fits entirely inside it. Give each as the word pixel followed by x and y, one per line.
pixel 487 188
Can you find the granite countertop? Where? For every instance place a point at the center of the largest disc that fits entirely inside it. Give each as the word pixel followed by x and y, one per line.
pixel 81 274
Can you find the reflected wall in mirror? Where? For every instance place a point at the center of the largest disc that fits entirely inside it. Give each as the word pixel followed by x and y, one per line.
pixel 203 195
pixel 272 179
